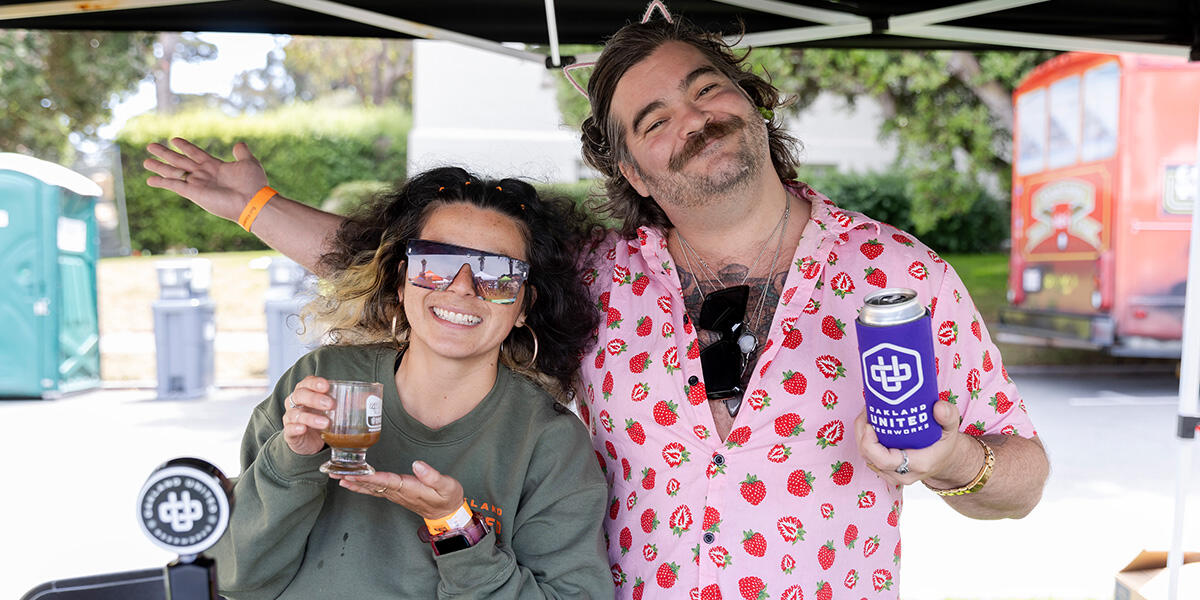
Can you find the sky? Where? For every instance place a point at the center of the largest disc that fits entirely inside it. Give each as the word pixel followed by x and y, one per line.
pixel 236 52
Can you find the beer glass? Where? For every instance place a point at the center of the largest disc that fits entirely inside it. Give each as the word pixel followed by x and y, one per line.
pixel 354 424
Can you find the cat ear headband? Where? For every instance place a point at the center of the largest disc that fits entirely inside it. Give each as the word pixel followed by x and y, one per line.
pixel 650 8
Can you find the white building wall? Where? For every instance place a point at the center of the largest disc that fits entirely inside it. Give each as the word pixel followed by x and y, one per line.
pixel 837 136
pixel 493 114
pixel 497 115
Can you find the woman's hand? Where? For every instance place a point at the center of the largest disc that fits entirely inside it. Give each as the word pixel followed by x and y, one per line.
pixel 304 419
pixel 426 492
pixel 222 188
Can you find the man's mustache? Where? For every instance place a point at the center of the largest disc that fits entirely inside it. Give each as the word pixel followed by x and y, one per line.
pixel 712 130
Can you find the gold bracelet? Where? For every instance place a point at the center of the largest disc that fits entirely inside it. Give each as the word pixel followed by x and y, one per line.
pixel 989 461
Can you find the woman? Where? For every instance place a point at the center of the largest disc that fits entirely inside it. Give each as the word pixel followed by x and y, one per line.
pixel 466 438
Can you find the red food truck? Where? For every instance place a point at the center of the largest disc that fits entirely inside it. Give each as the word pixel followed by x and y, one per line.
pixel 1103 180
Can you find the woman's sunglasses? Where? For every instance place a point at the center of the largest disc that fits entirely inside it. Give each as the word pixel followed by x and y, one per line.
pixel 497 278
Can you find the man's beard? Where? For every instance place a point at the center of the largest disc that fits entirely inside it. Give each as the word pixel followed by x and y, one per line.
pixel 688 191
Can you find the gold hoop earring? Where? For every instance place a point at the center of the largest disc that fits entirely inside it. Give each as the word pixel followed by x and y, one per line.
pixel 532 360
pixel 394 328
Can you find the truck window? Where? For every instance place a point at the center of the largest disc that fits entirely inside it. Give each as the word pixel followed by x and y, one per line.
pixel 1179 189
pixel 1031 131
pixel 1101 100
pixel 1065 123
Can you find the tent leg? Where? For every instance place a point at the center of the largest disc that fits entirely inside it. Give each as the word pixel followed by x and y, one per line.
pixel 1189 385
pixel 1183 460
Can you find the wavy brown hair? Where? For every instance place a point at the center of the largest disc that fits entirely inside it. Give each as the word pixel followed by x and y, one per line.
pixel 603 135
pixel 356 303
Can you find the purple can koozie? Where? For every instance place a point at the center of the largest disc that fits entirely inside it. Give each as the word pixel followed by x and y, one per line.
pixel 895 345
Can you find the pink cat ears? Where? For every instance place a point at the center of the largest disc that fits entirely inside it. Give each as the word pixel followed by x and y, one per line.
pixel 650 8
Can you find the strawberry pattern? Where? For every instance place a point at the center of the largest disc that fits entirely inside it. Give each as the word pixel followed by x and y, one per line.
pixel 787 508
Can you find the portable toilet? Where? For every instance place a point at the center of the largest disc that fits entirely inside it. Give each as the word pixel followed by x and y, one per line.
pixel 49 246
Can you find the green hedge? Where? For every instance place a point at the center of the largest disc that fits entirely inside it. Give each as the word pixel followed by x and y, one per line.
pixel 883 196
pixel 307 152
pixel 984 227
pixel 336 157
pixel 347 196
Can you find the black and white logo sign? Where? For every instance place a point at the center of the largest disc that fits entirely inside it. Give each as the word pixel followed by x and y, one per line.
pixel 184 507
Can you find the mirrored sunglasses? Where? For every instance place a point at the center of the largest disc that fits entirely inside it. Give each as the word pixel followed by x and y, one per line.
pixel 434 265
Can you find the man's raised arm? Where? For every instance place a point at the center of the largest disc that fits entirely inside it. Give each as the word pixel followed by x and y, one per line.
pixel 224 189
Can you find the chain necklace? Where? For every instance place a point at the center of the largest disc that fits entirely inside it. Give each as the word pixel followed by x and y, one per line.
pixel 747 341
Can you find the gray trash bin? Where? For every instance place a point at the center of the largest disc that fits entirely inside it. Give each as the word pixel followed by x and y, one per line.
pixel 291 287
pixel 184 328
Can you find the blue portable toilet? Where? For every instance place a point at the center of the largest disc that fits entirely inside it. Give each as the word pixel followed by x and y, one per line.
pixel 49 246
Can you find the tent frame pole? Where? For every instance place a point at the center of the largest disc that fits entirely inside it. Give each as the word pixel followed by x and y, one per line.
pixel 412 28
pixel 1189 388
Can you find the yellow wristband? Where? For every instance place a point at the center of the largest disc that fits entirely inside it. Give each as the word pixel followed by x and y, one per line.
pixel 254 206
pixel 458 520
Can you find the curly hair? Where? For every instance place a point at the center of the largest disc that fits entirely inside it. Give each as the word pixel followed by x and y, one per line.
pixel 357 302
pixel 603 138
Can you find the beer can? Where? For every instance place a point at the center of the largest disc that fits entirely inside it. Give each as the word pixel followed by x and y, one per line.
pixel 895 346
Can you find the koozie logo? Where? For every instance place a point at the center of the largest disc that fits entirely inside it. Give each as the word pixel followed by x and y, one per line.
pixel 893 373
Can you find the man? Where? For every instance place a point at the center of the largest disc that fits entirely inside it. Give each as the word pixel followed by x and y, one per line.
pixel 773 485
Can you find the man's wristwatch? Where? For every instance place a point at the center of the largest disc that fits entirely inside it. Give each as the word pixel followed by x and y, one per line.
pixel 457 538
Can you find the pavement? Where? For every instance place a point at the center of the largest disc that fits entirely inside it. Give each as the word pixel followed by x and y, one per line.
pixel 77 463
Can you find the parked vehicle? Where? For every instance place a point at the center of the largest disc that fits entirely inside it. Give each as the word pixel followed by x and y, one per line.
pixel 1104 177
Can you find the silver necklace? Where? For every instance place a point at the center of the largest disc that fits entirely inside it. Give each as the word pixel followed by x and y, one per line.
pixel 747 341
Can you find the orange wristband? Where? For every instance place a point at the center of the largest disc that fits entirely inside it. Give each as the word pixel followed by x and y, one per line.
pixel 254 206
pixel 456 520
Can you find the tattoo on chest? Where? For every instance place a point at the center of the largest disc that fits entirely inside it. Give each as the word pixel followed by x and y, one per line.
pixel 694 290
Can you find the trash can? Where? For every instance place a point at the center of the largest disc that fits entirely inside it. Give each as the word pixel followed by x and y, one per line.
pixel 184 328
pixel 291 287
pixel 49 246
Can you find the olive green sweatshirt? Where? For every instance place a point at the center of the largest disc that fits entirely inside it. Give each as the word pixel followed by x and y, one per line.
pixel 524 464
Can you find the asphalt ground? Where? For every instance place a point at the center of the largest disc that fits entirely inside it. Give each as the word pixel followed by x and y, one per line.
pixel 77 463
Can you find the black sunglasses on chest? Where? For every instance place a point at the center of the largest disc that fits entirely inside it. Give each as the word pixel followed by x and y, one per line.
pixel 724 362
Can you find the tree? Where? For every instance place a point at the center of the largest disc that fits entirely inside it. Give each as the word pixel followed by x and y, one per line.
pixel 949 111
pixel 363 71
pixel 53 84
pixel 376 71
pixel 168 48
pixel 258 90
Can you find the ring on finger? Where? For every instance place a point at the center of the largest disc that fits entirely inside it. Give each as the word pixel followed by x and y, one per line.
pixel 184 177
pixel 903 468
pixel 381 490
pixel 292 403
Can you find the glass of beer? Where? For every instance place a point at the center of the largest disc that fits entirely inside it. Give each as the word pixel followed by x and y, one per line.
pixel 354 424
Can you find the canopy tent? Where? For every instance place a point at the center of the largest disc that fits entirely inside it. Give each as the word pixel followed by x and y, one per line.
pixel 1164 27
pixel 1146 26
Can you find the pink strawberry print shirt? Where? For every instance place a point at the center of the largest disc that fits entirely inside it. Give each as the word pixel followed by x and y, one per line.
pixel 785 507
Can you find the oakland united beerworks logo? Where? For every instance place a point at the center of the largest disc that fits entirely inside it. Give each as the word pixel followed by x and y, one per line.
pixel 892 373
pixel 183 509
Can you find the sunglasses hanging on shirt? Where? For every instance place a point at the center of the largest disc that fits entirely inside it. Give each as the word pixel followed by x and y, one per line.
pixel 497 278
pixel 724 361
